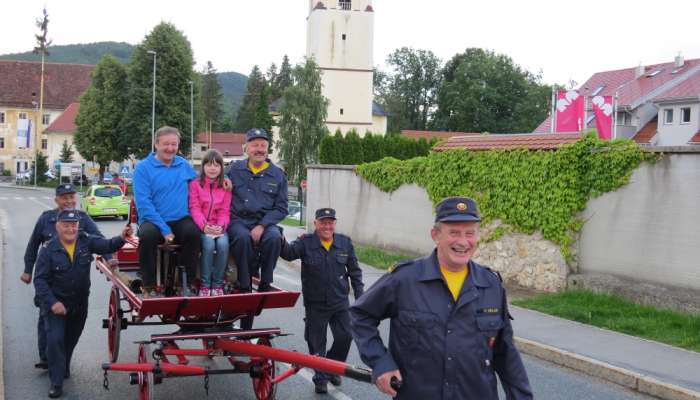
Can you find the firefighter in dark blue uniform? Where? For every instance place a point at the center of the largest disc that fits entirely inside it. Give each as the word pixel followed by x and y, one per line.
pixel 450 330
pixel 259 204
pixel 45 230
pixel 62 284
pixel 327 261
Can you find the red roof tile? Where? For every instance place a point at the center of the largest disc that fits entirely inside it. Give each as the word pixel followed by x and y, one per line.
pixel 63 83
pixel 228 143
pixel 434 134
pixel 689 88
pixel 695 139
pixel 528 141
pixel 65 123
pixel 645 134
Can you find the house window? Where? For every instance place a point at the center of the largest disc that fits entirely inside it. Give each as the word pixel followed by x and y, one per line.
pixel 2 117
pixel 624 118
pixel 46 119
pixel 345 4
pixel 668 116
pixel 22 115
pixel 685 115
pixel 204 148
pixel 343 36
pixel 341 111
pixel 44 144
pixel 2 144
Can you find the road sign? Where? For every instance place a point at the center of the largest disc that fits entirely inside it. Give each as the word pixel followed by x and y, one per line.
pixel 303 184
pixel 124 170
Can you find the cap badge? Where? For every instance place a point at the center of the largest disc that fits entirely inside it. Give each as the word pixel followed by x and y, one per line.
pixel 66 186
pixel 328 211
pixel 461 206
pixel 71 215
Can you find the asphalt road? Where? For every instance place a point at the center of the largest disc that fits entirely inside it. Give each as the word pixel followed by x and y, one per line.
pixel 19 210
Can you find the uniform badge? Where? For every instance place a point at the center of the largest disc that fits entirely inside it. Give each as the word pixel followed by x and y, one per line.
pixel 461 206
pixel 328 211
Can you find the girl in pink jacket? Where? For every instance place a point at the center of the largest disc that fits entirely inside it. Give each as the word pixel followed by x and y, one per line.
pixel 210 207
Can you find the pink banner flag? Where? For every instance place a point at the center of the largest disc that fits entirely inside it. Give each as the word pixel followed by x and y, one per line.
pixel 569 111
pixel 603 110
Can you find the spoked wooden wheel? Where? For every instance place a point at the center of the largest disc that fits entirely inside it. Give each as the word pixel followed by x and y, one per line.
pixel 266 371
pixel 145 378
pixel 114 325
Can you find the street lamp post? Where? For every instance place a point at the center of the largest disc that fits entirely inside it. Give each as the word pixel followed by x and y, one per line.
pixel 192 121
pixel 153 103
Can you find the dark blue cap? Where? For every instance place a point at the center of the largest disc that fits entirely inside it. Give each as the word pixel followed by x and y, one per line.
pixel 65 188
pixel 256 133
pixel 69 214
pixel 323 213
pixel 456 209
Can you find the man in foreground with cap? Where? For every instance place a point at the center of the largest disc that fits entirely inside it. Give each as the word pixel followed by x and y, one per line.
pixel 327 261
pixel 259 203
pixel 62 284
pixel 450 329
pixel 45 230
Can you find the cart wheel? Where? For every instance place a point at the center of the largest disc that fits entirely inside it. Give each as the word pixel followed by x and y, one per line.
pixel 114 326
pixel 145 378
pixel 262 385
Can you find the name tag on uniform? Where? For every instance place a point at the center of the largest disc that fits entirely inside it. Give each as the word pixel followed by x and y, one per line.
pixel 488 310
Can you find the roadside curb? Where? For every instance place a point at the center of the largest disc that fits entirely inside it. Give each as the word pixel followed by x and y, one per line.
pixel 623 377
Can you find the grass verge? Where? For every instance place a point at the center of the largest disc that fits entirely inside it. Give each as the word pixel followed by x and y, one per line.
pixel 379 258
pixel 616 314
pixel 291 222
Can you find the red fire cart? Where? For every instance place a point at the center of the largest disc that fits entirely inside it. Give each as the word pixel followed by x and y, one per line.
pixel 209 320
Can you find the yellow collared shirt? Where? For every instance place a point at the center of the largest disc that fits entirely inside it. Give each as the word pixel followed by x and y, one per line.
pixel 256 171
pixel 455 280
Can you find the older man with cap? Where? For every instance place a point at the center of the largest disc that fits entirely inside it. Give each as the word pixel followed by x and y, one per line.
pixel 62 284
pixel 327 261
pixel 45 230
pixel 450 330
pixel 259 204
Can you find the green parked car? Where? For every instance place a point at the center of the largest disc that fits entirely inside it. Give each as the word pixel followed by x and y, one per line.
pixel 105 201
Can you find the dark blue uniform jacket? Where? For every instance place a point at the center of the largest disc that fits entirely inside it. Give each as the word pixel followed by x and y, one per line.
pixel 45 230
pixel 258 198
pixel 324 274
pixel 59 279
pixel 444 349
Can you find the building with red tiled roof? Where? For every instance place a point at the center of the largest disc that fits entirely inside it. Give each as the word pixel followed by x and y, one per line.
pixel 530 141
pixel 643 93
pixel 62 129
pixel 229 144
pixel 20 83
pixel 413 134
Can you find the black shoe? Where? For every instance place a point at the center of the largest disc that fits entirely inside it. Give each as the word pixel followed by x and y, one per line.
pixel 55 392
pixel 335 380
pixel 321 387
pixel 264 287
pixel 42 365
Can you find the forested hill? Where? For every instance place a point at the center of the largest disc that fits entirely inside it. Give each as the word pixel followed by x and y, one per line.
pixel 233 84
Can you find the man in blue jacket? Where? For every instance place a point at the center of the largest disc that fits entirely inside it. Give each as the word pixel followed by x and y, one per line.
pixel 259 204
pixel 161 195
pixel 450 330
pixel 62 284
pixel 45 230
pixel 328 261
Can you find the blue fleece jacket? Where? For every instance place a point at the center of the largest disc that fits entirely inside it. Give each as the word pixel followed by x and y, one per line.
pixel 160 191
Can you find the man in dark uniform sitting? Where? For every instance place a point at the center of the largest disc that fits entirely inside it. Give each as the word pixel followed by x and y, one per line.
pixel 62 285
pixel 450 329
pixel 45 230
pixel 259 204
pixel 327 261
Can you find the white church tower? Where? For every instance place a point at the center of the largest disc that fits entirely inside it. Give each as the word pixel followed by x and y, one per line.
pixel 340 38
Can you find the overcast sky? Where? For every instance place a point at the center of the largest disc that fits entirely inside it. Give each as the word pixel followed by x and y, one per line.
pixel 541 36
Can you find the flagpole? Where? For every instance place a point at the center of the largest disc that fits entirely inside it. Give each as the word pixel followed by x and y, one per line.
pixel 553 109
pixel 584 125
pixel 614 119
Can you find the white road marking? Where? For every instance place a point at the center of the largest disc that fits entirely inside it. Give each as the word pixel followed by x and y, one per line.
pixel 3 198
pixel 48 198
pixel 18 198
pixel 40 203
pixel 31 198
pixel 332 390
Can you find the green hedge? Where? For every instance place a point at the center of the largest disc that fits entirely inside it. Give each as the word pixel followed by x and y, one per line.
pixel 352 150
pixel 528 190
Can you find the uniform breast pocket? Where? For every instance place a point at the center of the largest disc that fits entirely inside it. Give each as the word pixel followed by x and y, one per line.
pixel 418 328
pixel 489 324
pixel 85 259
